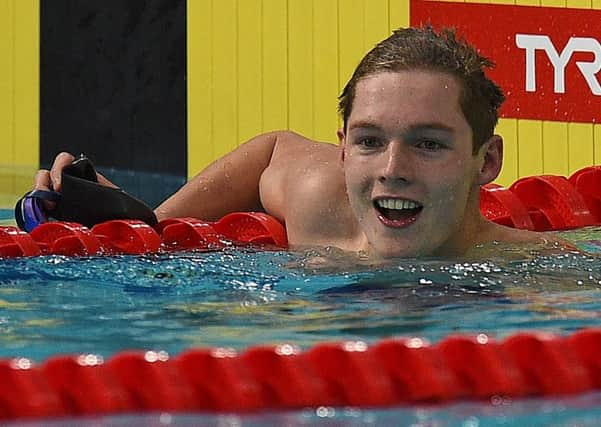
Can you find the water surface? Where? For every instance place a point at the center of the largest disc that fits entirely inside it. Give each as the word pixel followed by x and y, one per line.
pixel 241 297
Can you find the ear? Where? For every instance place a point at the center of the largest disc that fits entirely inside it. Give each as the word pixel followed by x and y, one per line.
pixel 342 143
pixel 492 152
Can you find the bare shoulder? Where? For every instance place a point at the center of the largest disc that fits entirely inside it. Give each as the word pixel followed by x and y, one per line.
pixel 503 234
pixel 292 146
pixel 295 155
pixel 304 187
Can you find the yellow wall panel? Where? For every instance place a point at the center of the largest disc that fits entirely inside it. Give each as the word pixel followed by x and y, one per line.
pixel 530 147
pixel 398 14
pixel 300 66
pixel 225 76
pixel 200 105
pixel 555 148
pixel 581 145
pixel 19 99
pixel 7 76
pixel 275 65
pixel 250 65
pixel 26 54
pixel 7 82
pixel 376 21
pixel 553 3
pixel 350 28
pixel 579 4
pixel 325 70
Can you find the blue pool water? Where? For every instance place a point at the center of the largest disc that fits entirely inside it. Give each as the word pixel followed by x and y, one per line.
pixel 241 297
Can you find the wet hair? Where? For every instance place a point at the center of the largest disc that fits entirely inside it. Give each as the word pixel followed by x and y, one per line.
pixel 425 49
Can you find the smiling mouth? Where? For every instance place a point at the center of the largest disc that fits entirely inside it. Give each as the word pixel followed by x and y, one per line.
pixel 397 212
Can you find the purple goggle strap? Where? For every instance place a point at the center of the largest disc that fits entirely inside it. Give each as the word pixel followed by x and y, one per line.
pixel 30 211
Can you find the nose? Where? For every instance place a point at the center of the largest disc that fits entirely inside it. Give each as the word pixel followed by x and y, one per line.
pixel 397 164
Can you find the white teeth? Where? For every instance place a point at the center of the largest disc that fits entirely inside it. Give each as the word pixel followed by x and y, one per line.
pixel 397 204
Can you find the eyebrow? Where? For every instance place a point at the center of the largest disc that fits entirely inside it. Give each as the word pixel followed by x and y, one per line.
pixel 363 125
pixel 436 126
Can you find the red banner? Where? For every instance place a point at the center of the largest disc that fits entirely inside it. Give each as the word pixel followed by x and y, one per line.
pixel 547 59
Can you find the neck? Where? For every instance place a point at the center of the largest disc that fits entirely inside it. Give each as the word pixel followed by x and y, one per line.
pixel 470 231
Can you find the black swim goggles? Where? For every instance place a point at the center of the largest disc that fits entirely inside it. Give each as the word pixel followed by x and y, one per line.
pixel 82 199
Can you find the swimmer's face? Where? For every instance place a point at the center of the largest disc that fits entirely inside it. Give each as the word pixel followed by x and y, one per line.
pixel 411 177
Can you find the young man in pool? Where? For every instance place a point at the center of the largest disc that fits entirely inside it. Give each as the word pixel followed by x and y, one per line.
pixel 416 146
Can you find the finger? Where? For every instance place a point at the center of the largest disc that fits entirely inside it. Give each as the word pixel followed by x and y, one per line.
pixel 42 181
pixel 102 180
pixel 60 161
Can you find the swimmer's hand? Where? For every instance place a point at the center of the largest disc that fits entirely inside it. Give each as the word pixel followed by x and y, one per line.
pixel 50 180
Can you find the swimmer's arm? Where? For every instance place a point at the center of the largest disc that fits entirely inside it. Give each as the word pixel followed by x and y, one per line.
pixel 230 184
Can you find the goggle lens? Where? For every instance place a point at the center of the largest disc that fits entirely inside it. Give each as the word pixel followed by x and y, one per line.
pixel 30 211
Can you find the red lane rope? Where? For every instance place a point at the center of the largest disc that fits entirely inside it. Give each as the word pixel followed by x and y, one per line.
pixel 545 202
pixel 391 372
pixel 135 237
pixel 394 371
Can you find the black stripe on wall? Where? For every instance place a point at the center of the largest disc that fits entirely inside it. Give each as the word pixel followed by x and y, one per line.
pixel 113 86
